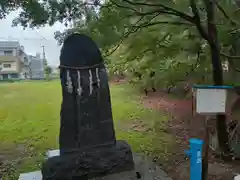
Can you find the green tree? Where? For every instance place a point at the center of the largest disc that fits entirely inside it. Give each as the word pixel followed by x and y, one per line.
pixel 148 35
pixel 47 70
pixel 202 16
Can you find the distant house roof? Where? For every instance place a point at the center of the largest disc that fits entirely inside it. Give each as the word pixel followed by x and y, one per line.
pixel 9 44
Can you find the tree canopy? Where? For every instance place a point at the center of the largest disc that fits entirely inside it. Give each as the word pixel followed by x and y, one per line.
pixel 178 40
pixel 170 37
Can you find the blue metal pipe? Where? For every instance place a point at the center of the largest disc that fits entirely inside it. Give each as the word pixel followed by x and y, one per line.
pixel 195 154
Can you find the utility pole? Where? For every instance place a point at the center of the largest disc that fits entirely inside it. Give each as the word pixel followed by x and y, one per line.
pixel 44 55
pixel 44 61
pixel 47 69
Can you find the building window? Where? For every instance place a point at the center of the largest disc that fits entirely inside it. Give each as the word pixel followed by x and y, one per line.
pixel 8 53
pixel 7 65
pixel 4 76
pixel 14 76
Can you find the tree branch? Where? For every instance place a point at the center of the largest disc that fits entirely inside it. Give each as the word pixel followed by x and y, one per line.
pixel 224 12
pixel 138 13
pixel 125 7
pixel 143 25
pixel 230 61
pixel 140 54
pixel 197 20
pixel 143 4
pixel 163 8
pixel 132 30
pixel 229 56
pixel 193 66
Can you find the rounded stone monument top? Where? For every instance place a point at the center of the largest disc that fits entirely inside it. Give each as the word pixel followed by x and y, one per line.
pixel 79 51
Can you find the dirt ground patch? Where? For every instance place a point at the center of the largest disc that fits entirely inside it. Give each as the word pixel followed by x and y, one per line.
pixel 184 126
pixel 9 158
pixel 135 125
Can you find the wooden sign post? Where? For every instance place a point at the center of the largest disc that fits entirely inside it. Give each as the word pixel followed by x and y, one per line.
pixel 207 101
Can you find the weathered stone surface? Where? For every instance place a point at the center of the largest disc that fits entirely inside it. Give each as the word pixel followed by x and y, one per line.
pixel 86 114
pixel 100 162
pixel 87 139
pixel 146 168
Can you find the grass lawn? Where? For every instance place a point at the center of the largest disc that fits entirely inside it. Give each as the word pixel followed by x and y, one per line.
pixel 29 124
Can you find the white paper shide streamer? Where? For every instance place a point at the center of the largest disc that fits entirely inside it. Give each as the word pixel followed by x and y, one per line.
pixel 97 75
pixel 69 83
pixel 90 82
pixel 79 90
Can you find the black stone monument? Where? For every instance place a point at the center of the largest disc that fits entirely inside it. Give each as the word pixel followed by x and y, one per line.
pixel 88 147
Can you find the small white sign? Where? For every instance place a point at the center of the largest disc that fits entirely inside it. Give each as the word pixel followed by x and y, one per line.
pixel 211 100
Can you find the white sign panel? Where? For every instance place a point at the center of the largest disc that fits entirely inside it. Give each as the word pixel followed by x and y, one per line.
pixel 211 100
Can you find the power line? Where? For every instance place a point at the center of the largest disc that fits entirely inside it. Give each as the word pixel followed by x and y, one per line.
pixel 40 35
pixel 28 39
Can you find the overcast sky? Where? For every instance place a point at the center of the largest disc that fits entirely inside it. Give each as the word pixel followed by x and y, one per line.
pixel 32 40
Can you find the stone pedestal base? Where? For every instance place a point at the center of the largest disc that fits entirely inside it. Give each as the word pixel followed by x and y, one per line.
pixel 144 166
pixel 98 163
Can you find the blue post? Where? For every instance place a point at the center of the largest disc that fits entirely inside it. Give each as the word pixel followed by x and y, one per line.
pixel 195 154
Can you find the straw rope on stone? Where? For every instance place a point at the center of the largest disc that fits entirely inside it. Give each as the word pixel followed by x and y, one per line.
pixel 90 82
pixel 69 83
pixel 79 68
pixel 98 79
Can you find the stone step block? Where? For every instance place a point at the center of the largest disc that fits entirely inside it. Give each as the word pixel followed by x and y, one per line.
pixel 53 153
pixel 36 175
pixel 237 177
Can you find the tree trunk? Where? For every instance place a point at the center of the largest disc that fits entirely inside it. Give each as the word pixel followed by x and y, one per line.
pixel 233 74
pixel 217 74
